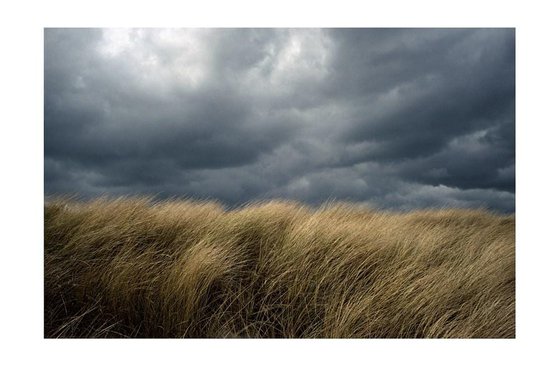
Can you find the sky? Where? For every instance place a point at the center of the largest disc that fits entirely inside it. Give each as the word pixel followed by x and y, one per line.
pixel 396 119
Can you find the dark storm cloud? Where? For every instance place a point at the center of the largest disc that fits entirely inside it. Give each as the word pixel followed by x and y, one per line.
pixel 420 90
pixel 397 118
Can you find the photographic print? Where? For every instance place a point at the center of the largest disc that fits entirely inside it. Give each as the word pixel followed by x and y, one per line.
pixel 279 183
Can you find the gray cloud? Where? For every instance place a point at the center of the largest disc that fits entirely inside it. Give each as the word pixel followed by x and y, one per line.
pixel 396 118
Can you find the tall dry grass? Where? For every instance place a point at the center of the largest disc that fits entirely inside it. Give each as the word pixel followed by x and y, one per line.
pixel 138 268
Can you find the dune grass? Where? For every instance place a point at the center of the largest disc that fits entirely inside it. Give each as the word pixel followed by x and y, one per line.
pixel 134 267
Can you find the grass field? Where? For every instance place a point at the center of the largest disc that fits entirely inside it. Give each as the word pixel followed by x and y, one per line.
pixel 140 268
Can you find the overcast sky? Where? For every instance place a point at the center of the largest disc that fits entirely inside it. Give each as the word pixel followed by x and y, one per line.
pixel 395 118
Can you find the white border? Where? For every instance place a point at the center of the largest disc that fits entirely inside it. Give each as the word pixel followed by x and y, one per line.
pixel 21 68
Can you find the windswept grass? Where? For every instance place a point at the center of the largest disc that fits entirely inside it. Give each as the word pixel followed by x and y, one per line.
pixel 139 268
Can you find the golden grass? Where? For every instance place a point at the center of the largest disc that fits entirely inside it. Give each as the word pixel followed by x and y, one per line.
pixel 140 268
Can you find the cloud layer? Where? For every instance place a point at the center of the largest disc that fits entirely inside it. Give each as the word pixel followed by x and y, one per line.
pixel 396 118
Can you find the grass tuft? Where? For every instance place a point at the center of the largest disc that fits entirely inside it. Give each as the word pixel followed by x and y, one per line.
pixel 134 267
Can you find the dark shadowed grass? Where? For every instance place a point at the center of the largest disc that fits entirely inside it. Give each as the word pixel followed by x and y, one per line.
pixel 140 268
